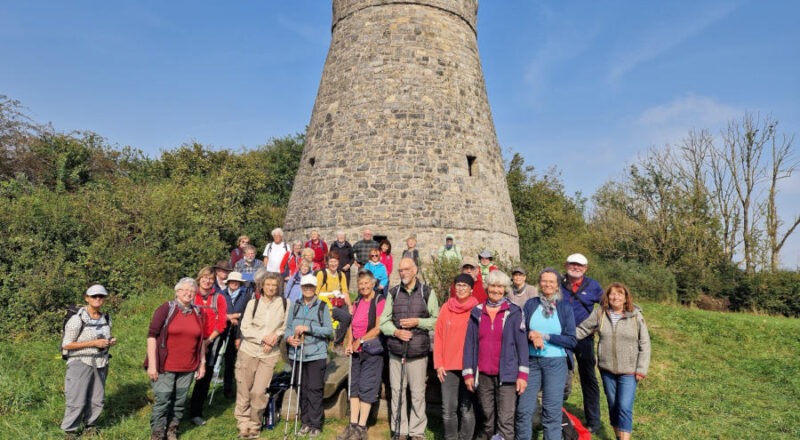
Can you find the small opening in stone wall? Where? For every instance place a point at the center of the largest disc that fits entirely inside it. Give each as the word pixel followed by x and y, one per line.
pixel 471 165
pixel 312 161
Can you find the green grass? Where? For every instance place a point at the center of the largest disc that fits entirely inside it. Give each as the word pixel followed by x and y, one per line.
pixel 712 376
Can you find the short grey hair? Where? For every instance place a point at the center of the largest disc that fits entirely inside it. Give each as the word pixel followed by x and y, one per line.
pixel 498 278
pixel 277 231
pixel 186 281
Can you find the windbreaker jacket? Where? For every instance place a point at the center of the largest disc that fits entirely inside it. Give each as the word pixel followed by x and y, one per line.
pixel 514 348
pixel 622 349
pixel 566 339
pixel 316 338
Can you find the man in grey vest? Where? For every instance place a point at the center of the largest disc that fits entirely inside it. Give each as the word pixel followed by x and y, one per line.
pixel 408 318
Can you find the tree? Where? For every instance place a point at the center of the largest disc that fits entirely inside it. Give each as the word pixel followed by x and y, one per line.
pixel 784 163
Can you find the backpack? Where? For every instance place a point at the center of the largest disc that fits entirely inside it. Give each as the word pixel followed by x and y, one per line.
pixel 325 278
pixel 214 303
pixel 323 308
pixel 72 310
pixel 572 428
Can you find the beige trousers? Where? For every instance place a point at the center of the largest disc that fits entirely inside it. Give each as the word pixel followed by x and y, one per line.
pixel 253 376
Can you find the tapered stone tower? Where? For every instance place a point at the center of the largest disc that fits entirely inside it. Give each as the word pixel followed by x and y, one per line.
pixel 401 137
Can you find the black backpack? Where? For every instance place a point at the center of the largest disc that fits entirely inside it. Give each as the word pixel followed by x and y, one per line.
pixel 72 310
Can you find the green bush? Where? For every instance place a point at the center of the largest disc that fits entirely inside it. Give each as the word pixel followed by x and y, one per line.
pixel 649 281
pixel 774 293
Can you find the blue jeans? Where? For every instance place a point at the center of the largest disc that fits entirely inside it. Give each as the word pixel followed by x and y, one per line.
pixel 549 375
pixel 620 390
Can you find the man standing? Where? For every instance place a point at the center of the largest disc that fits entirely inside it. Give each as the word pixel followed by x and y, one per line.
pixel 362 248
pixel 583 293
pixel 450 251
pixel 276 256
pixel 409 315
pixel 521 291
pixel 346 254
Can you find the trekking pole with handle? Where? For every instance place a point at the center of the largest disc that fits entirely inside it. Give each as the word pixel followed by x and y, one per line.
pixel 292 383
pixel 217 367
pixel 299 381
pixel 396 435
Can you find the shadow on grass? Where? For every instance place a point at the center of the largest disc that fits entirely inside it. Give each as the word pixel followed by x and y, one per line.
pixel 126 401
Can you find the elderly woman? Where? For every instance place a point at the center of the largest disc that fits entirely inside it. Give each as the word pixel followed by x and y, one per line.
pixel 87 337
pixel 238 252
pixel 623 355
pixel 332 288
pixel 448 361
pixel 320 248
pixel 496 357
pixel 379 271
pixel 295 258
pixel 366 349
pixel 551 332
pixel 261 330
pixel 308 328
pixel 175 347
pixel 292 291
pixel 236 298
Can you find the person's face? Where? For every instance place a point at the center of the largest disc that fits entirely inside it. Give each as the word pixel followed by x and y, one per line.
pixel 384 248
pixel 297 248
pixel 340 238
pixel 463 291
pixel 449 242
pixel 305 268
pixel 278 238
pixel 249 255
pixel 575 270
pixel 206 282
pixel 95 301
pixel 222 275
pixel 270 288
pixel 548 284
pixel 243 243
pixel 470 270
pixel 411 243
pixel 407 271
pixel 367 235
pixel 374 256
pixel 308 291
pixel 365 285
pixel 485 261
pixel 333 264
pixel 184 294
pixel 314 236
pixel 518 279
pixel 233 285
pixel 495 292
pixel 616 299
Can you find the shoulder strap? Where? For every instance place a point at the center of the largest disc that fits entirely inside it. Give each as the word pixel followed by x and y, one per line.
pixel 578 298
pixel 255 306
pixel 373 311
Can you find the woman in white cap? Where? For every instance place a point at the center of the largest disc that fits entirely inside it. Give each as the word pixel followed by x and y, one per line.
pixel 87 337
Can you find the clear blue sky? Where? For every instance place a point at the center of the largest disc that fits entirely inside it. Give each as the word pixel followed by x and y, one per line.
pixel 584 85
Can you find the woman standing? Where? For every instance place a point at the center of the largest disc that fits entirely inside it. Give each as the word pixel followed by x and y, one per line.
pixel 262 328
pixel 551 331
pixel 332 288
pixel 386 255
pixel 448 361
pixel 496 357
pixel 175 347
pixel 87 337
pixel 623 353
pixel 308 328
pixel 292 292
pixel 320 248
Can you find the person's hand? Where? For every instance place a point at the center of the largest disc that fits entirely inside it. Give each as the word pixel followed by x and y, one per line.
pixel 441 373
pixel 346 267
pixel 521 385
pixel 200 371
pixel 470 384
pixel 234 321
pixel 639 377
pixel 102 343
pixel 536 339
pixel 409 322
pixel 237 343
pixel 270 339
pixel 300 329
pixel 403 335
pixel 112 342
pixel 152 373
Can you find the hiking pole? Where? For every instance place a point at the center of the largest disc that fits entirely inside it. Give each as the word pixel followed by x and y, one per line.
pixel 217 366
pixel 292 383
pixel 396 435
pixel 299 381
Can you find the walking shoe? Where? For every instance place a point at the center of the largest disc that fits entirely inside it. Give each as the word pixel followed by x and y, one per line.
pixel 198 421
pixel 172 432
pixel 360 433
pixel 313 432
pixel 347 434
pixel 304 430
pixel 255 433
pixel 157 434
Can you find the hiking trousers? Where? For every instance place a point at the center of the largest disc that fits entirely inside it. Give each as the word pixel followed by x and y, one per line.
pixel 84 389
pixel 171 391
pixel 253 376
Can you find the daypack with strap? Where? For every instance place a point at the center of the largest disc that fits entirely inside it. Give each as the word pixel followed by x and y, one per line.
pixel 375 345
pixel 172 307
pixel 572 428
pixel 72 310
pixel 323 308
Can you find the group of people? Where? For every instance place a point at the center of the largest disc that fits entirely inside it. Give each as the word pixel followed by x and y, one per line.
pixel 496 343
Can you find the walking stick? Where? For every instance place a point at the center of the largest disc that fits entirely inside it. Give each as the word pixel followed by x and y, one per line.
pixel 217 367
pixel 292 383
pixel 396 435
pixel 299 381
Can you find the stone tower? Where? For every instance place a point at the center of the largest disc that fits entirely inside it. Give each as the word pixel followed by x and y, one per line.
pixel 401 137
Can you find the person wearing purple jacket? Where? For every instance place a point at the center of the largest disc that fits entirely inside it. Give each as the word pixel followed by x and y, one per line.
pixel 496 357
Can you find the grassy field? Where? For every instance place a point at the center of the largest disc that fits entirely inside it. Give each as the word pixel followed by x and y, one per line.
pixel 712 376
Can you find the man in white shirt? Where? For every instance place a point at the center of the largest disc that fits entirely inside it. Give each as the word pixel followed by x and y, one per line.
pixel 276 253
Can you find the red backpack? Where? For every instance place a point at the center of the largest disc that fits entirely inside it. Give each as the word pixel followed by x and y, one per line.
pixel 572 428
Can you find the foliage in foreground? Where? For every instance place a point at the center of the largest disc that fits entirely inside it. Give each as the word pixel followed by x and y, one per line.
pixel 712 375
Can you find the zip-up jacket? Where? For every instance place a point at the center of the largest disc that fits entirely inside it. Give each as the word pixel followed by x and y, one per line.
pixel 623 348
pixel 566 339
pixel 513 362
pixel 589 293
pixel 316 338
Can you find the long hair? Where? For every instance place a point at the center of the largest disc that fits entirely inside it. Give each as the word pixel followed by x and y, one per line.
pixel 628 307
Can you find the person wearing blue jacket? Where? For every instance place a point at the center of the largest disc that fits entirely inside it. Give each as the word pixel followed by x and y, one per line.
pixel 308 330
pixel 551 334
pixel 378 269
pixel 582 293
pixel 236 296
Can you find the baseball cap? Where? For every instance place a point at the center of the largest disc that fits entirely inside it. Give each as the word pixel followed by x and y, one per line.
pixel 578 258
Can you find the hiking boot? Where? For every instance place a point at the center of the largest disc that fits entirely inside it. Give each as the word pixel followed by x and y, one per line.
pixel 360 433
pixel 172 432
pixel 157 434
pixel 198 421
pixel 347 434
pixel 304 430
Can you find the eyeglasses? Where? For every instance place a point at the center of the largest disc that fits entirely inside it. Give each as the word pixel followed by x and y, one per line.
pixel 375 255
pixel 97 296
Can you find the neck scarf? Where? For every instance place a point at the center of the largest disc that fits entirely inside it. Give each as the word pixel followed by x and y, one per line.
pixel 490 303
pixel 548 306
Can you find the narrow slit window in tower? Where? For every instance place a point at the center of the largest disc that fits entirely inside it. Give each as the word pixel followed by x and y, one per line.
pixel 312 161
pixel 471 165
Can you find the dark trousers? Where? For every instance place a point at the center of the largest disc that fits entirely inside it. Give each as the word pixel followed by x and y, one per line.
pixel 458 404
pixel 584 355
pixel 312 381
pixel 230 363
pixel 202 385
pixel 342 315
pixel 498 404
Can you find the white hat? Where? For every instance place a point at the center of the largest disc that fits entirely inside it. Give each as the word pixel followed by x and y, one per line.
pixel 308 280
pixel 97 289
pixel 579 259
pixel 234 276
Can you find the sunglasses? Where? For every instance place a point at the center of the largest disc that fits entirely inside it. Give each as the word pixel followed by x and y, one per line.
pixel 97 296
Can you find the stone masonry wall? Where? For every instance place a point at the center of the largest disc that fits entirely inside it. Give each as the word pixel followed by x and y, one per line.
pixel 401 137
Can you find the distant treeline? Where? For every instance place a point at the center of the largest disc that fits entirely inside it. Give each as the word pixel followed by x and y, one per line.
pixel 76 210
